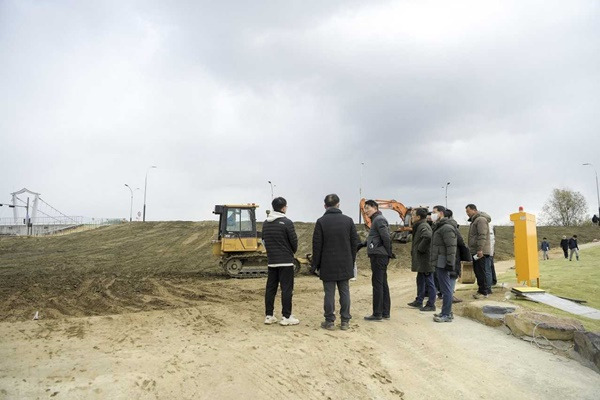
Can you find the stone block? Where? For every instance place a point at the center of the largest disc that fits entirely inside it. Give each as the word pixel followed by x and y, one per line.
pixel 490 313
pixel 587 344
pixel 547 325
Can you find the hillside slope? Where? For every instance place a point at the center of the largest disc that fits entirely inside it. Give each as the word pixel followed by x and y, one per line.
pixel 143 266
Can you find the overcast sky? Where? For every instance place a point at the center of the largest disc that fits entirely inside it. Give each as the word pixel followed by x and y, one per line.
pixel 500 98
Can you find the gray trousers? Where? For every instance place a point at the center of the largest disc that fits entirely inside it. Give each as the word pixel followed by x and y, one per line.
pixel 329 304
pixel 573 251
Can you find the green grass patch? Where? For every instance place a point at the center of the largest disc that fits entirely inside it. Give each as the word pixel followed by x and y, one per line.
pixel 561 277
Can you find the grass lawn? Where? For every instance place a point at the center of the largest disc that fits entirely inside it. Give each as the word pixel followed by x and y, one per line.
pixel 561 277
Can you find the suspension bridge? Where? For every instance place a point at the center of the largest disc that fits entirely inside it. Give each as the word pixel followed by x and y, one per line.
pixel 32 215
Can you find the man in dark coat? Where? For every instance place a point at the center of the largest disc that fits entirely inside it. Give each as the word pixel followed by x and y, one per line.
pixel 480 246
pixel 335 242
pixel 443 259
pixel 281 242
pixel 379 250
pixel 573 248
pixel 564 244
pixel 421 245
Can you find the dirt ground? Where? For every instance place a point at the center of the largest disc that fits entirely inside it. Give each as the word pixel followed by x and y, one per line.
pixel 211 343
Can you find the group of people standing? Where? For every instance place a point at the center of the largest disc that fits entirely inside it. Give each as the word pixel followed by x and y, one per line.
pixel 437 251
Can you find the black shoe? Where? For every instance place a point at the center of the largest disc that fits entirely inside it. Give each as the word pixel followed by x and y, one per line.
pixel 345 325
pixel 427 308
pixel 386 317
pixel 329 325
pixel 415 304
pixel 373 318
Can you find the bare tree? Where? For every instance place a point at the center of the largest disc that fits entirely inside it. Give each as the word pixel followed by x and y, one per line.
pixel 565 208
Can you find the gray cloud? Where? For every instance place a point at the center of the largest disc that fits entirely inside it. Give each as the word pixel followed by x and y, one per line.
pixel 500 98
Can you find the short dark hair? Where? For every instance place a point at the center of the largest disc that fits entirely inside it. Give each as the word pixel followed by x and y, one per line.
pixel 440 208
pixel 332 200
pixel 448 213
pixel 472 207
pixel 278 203
pixel 544 238
pixel 372 203
pixel 421 212
pixel 574 236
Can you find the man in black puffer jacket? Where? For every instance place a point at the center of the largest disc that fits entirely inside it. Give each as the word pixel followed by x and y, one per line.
pixel 379 250
pixel 281 242
pixel 335 243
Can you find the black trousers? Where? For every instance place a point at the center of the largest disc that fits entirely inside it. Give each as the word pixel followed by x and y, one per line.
pixel 381 290
pixel 566 251
pixel 285 277
pixel 483 273
pixel 329 303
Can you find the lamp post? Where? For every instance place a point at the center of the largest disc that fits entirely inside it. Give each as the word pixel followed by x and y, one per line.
pixel 447 184
pixel 597 191
pixel 362 164
pixel 131 205
pixel 271 183
pixel 145 189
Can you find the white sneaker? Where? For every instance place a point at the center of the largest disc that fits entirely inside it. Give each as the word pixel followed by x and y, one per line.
pixel 270 319
pixel 352 279
pixel 289 321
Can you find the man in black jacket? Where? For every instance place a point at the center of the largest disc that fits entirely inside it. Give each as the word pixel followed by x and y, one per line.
pixel 281 242
pixel 335 243
pixel 564 244
pixel 573 248
pixel 379 250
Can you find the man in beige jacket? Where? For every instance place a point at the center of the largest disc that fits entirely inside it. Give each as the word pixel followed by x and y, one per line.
pixel 479 244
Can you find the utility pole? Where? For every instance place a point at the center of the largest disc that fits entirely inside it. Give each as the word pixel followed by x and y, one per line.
pixel 597 191
pixel 447 184
pixel 362 164
pixel 145 188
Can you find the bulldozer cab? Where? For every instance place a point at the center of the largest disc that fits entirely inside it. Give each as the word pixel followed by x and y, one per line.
pixel 237 229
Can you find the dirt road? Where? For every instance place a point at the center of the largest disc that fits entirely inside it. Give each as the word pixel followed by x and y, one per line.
pixel 220 349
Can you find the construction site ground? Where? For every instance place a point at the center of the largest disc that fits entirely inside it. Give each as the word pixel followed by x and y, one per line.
pixel 142 313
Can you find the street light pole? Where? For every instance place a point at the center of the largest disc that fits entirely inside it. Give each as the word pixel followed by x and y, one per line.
pixel 145 189
pixel 362 164
pixel 597 190
pixel 447 184
pixel 131 205
pixel 271 183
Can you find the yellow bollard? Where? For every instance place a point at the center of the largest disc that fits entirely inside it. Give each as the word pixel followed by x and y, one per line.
pixel 525 241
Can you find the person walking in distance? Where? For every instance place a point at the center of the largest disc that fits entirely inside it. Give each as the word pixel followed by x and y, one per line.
pixel 281 242
pixel 443 259
pixel 545 247
pixel 379 250
pixel 564 245
pixel 335 243
pixel 479 244
pixel 573 248
pixel 420 260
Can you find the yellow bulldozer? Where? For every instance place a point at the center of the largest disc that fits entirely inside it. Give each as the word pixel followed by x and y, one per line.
pixel 238 243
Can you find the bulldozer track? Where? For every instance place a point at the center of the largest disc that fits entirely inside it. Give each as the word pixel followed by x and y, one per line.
pixel 245 266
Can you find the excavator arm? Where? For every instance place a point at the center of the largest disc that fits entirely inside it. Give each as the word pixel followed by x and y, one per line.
pixel 400 235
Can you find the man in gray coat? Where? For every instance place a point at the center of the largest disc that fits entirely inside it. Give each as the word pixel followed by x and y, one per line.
pixel 443 259
pixel 420 263
pixel 335 243
pixel 379 250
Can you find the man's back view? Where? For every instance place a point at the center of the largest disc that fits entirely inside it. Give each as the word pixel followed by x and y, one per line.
pixel 281 242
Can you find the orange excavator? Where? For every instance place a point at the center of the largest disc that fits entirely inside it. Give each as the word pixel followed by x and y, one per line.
pixel 401 234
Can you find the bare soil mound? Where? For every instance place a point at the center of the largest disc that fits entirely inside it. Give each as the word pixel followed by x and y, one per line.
pixel 139 267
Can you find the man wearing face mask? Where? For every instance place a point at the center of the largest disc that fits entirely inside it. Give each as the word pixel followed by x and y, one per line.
pixel 443 259
pixel 379 250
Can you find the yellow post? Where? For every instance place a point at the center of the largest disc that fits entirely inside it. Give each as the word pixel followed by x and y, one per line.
pixel 525 242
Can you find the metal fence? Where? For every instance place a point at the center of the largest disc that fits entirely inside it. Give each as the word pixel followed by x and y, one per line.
pixel 44 226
